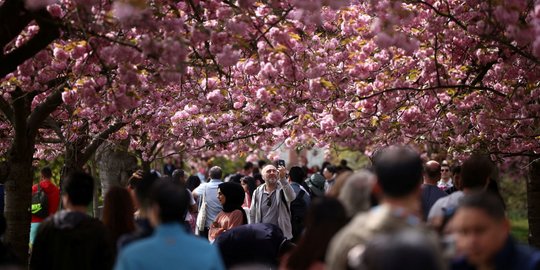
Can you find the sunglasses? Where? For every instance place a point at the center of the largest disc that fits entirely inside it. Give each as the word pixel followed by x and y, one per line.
pixel 269 201
pixel 445 170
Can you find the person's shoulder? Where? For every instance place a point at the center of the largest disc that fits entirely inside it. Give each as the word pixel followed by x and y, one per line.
pixel 237 212
pixel 452 199
pixel 439 192
pixel 444 201
pixel 92 223
pixel 355 226
pixel 198 189
pixel 47 224
pixel 259 188
pixel 48 186
pixel 215 184
pixel 138 246
pixel 528 257
pixel 344 240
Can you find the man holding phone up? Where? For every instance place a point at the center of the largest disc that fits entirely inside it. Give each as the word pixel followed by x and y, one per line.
pixel 271 200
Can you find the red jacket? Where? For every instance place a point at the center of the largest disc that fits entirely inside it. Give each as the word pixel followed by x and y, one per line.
pixel 53 197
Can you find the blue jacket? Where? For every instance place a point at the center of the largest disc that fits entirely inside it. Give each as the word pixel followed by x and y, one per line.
pixel 512 256
pixel 170 247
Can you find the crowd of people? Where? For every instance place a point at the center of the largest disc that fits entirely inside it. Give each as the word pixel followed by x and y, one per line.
pixel 400 213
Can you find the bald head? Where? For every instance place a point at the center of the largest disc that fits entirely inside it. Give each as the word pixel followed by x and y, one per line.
pixel 432 172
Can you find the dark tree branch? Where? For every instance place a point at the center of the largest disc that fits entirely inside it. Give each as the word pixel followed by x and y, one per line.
pixel 43 110
pixel 48 32
pixel 54 125
pixel 483 73
pixel 446 15
pixel 6 109
pixel 99 139
pixel 13 19
pixel 51 140
pixel 459 86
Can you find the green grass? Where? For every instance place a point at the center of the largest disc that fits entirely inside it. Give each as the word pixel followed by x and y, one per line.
pixel 520 229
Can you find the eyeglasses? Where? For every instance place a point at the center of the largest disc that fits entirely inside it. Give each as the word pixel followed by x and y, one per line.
pixel 445 170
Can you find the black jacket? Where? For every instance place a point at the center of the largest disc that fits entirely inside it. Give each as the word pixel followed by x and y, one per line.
pixel 72 240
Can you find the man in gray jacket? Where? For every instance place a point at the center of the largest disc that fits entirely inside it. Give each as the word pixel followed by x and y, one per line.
pixel 271 201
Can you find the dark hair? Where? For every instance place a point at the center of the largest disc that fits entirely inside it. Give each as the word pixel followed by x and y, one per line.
pixel 402 249
pixel 118 212
pixel 493 188
pixel 325 217
pixel 250 182
pixel 475 172
pixel 324 164
pixel 171 200
pixel 235 178
pixel 79 188
pixel 456 169
pixel 297 174
pixel 398 170
pixel 261 163
pixel 215 172
pixel 331 168
pixel 259 177
pixel 234 197
pixel 193 182
pixel 177 176
pixel 46 172
pixel 433 172
pixel 144 187
pixel 488 202
pixel 248 165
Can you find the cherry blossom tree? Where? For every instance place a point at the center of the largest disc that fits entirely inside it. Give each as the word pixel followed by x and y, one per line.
pixel 231 76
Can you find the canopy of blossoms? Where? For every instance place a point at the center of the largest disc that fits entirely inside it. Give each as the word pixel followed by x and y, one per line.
pixel 237 75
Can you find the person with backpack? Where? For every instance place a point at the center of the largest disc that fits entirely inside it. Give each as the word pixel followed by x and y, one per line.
pixel 301 202
pixel 45 200
pixel 71 239
pixel 271 200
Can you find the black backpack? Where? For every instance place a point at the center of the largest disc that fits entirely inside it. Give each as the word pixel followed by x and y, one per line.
pixel 298 214
pixel 40 203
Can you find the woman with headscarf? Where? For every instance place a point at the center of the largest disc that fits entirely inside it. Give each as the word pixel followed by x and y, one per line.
pixel 231 196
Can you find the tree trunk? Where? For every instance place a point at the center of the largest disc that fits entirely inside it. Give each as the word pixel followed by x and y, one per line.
pixel 115 165
pixel 18 197
pixel 145 165
pixel 95 200
pixel 533 202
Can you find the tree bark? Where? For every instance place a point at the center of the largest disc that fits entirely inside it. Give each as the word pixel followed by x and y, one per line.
pixel 18 194
pixel 533 202
pixel 115 165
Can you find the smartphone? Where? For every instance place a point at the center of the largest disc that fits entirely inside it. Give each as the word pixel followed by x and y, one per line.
pixel 281 163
